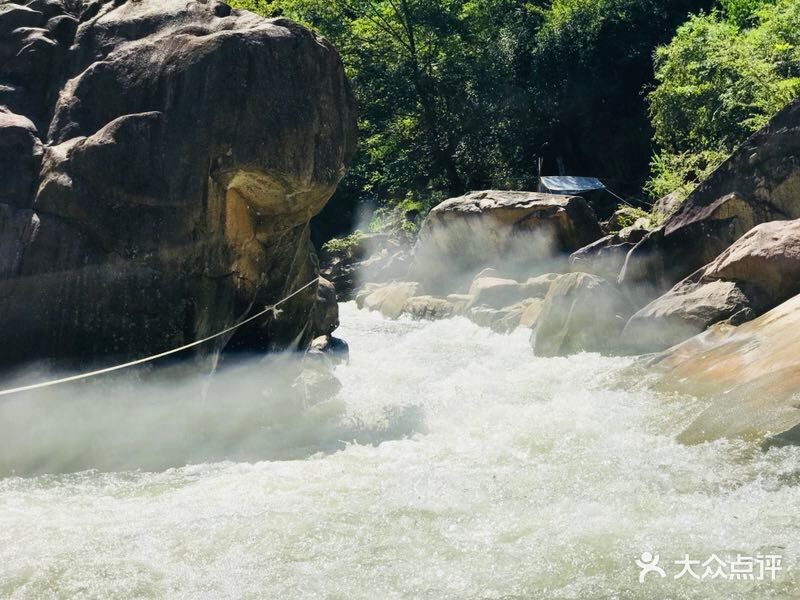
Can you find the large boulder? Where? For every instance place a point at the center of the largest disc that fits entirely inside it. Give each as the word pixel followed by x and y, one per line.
pixel 390 299
pixel 749 373
pixel 758 272
pixel 178 151
pixel 766 257
pixel 523 232
pixel 686 310
pixel 581 313
pixel 760 182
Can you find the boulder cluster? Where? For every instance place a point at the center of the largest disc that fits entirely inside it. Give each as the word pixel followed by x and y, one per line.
pixel 728 254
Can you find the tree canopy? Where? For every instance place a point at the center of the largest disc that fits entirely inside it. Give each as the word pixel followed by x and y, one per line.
pixel 456 95
pixel 721 78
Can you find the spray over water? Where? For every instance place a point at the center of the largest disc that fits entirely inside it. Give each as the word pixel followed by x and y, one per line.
pixel 451 464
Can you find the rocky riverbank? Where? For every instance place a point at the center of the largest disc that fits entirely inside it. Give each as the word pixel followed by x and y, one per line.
pixel 726 256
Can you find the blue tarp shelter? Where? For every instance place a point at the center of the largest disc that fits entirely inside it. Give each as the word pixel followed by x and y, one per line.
pixel 569 186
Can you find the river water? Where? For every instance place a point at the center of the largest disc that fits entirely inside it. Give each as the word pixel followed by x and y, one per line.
pixel 452 465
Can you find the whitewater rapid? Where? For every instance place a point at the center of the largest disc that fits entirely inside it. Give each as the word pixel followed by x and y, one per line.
pixel 452 465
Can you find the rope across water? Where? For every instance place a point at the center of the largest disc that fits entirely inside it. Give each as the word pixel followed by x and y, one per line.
pixel 273 309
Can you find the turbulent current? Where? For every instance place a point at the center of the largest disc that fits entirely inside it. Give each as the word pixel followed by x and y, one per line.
pixel 451 465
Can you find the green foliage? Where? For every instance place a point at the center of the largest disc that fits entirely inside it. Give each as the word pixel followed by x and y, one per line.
pixel 742 12
pixel 681 172
pixel 345 245
pixel 406 216
pixel 628 216
pixel 717 83
pixel 469 94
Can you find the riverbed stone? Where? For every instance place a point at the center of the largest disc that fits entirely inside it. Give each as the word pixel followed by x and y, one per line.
pixel 428 308
pixel 390 299
pixel 460 302
pixel 581 313
pixel 495 292
pixel 537 287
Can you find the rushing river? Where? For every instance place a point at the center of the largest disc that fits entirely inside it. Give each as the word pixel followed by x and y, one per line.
pixel 452 465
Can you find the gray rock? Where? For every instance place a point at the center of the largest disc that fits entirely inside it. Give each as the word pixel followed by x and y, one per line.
pixel 519 232
pixel 755 274
pixel 325 315
pixel 666 205
pixel 604 258
pixel 686 310
pixel 20 159
pixel 581 313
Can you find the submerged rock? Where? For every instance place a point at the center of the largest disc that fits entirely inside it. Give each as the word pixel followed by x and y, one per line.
pixel 160 165
pixel 336 350
pixel 581 313
pixel 428 308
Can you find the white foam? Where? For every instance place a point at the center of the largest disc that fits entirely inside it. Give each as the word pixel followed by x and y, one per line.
pixel 477 471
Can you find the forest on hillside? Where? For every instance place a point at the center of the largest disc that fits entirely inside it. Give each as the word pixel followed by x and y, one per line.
pixel 457 95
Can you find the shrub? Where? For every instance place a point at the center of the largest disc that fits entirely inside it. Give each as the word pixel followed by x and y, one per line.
pixel 345 245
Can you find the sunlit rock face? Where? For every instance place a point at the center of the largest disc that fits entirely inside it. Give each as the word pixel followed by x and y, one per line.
pixel 521 231
pixel 758 272
pixel 165 161
pixel 749 374
pixel 760 182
